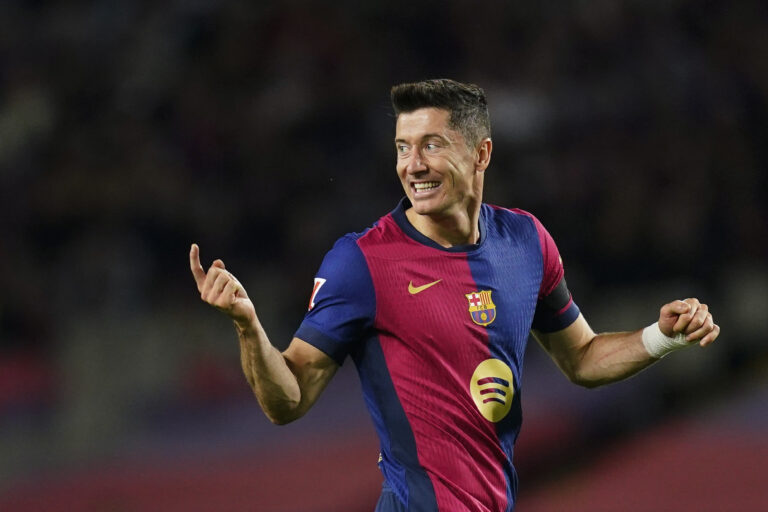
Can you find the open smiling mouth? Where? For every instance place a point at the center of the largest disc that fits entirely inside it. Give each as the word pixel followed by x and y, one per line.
pixel 424 187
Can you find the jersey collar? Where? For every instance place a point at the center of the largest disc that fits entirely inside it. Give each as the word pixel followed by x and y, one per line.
pixel 398 214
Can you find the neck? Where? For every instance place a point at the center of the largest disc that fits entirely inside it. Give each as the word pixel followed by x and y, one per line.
pixel 449 230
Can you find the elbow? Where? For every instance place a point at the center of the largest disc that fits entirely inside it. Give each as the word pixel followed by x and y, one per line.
pixel 280 406
pixel 283 414
pixel 583 379
pixel 579 380
pixel 582 372
pixel 587 383
pixel 280 420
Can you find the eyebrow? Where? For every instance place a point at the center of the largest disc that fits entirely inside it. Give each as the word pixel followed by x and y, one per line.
pixel 427 136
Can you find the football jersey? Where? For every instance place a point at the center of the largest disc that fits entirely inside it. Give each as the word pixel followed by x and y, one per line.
pixel 438 336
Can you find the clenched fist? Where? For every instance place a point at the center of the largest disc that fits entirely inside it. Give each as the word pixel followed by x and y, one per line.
pixel 689 317
pixel 219 288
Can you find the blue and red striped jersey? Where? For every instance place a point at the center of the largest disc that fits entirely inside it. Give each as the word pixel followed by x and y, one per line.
pixel 438 335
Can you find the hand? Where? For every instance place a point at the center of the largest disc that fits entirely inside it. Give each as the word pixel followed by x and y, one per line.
pixel 691 317
pixel 222 290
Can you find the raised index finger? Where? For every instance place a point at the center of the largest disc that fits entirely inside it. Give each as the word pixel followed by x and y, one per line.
pixel 194 264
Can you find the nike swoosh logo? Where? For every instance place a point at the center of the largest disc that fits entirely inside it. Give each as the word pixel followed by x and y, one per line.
pixel 413 290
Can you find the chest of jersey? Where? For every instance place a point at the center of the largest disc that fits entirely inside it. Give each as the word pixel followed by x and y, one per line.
pixel 452 327
pixel 455 308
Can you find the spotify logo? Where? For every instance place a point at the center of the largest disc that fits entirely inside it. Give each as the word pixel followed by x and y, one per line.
pixel 492 388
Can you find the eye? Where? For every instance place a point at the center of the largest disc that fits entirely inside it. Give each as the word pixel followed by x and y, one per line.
pixel 431 146
pixel 402 149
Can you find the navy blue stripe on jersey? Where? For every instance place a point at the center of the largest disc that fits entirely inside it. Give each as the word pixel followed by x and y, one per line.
pixel 388 501
pixel 513 239
pixel 402 470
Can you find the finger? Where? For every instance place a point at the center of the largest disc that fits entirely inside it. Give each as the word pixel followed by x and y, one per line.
pixel 670 314
pixel 229 294
pixel 194 264
pixel 684 319
pixel 705 328
pixel 677 307
pixel 218 285
pixel 219 264
pixel 210 279
pixel 698 319
pixel 711 337
pixel 221 283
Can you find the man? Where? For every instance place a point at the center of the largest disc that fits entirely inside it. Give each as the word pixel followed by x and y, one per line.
pixel 434 304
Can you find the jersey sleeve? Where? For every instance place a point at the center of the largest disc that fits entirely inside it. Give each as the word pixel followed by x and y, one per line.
pixel 343 304
pixel 555 309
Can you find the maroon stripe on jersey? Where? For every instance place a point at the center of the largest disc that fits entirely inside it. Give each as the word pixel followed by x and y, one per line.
pixel 432 347
pixel 493 380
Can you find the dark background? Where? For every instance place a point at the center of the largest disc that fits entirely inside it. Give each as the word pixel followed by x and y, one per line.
pixel 636 131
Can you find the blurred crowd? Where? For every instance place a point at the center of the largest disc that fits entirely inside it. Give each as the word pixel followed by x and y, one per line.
pixel 636 131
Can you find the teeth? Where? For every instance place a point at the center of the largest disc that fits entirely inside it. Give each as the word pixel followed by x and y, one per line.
pixel 426 186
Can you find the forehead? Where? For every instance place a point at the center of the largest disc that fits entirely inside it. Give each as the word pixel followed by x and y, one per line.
pixel 416 124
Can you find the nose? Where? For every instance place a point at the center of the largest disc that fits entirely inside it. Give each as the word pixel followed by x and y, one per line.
pixel 415 163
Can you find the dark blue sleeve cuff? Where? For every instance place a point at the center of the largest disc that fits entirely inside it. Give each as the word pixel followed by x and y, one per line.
pixel 318 339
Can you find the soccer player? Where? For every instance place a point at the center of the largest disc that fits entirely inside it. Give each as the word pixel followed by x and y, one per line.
pixel 434 304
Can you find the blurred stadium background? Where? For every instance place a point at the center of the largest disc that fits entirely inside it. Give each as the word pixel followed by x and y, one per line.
pixel 635 130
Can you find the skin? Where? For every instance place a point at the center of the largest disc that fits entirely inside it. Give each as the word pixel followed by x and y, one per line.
pixel 288 383
pixel 592 360
pixel 429 152
pixel 285 384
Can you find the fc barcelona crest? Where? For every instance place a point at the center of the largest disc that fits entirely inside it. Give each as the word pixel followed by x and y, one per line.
pixel 481 307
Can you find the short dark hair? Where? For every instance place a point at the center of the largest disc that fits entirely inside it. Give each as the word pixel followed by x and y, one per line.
pixel 465 102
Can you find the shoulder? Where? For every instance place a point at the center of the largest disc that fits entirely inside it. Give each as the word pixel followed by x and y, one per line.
pixel 344 275
pixel 520 222
pixel 346 244
pixel 349 244
pixel 343 259
pixel 348 254
pixel 552 263
pixel 516 214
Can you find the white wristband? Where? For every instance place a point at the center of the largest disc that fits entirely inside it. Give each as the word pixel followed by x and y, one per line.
pixel 658 344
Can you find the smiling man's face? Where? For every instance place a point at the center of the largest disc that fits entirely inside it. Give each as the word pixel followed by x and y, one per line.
pixel 437 169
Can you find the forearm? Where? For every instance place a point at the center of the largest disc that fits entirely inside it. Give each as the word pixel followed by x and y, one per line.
pixel 272 381
pixel 287 383
pixel 610 357
pixel 590 359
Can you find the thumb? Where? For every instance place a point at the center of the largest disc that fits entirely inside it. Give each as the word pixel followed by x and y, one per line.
pixel 218 263
pixel 677 307
pixel 670 314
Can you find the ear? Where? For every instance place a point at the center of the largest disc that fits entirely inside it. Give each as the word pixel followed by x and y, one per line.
pixel 483 154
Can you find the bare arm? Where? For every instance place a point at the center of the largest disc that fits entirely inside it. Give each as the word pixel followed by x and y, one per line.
pixel 591 360
pixel 286 384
